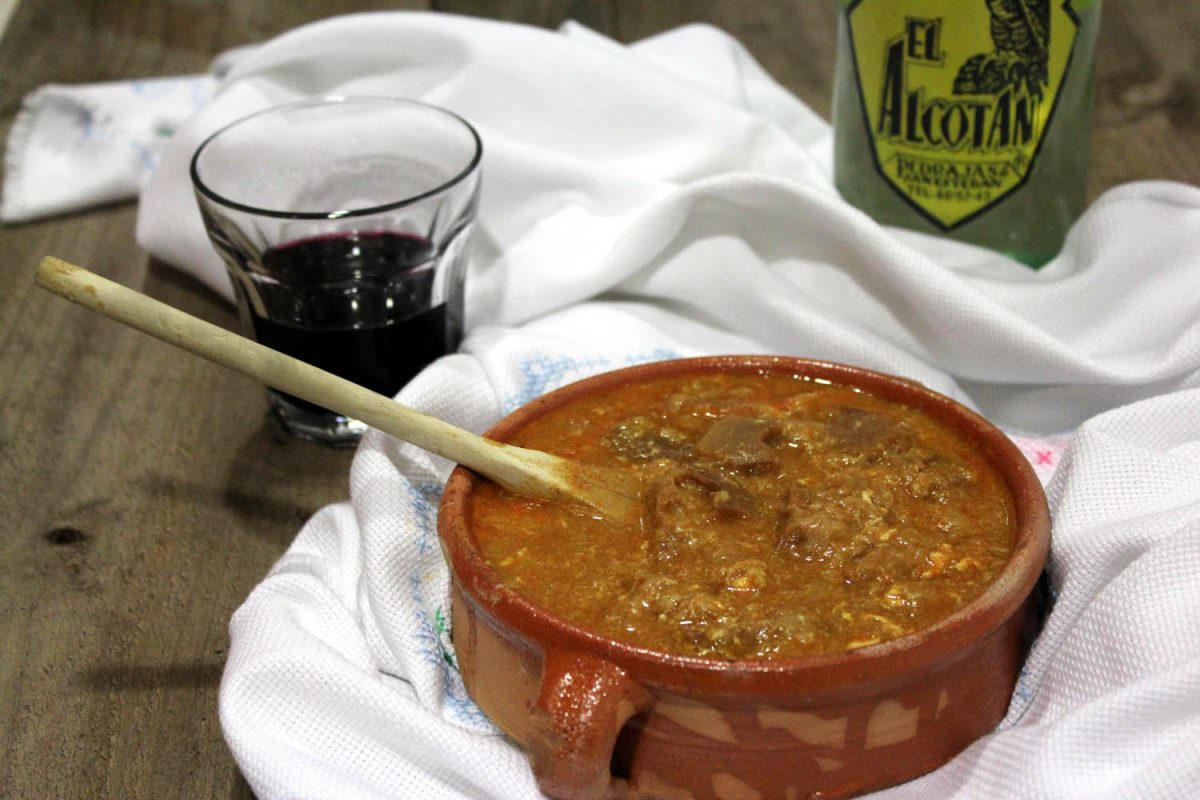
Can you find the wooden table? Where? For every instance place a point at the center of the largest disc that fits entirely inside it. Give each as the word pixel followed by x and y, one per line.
pixel 143 493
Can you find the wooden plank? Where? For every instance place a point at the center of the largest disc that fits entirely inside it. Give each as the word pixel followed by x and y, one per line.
pixel 7 7
pixel 792 40
pixel 145 492
pixel 599 15
pixel 1147 106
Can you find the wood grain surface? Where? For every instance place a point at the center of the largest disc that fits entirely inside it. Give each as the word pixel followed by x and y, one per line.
pixel 143 492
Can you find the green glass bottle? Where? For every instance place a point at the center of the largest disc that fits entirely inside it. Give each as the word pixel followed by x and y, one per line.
pixel 967 118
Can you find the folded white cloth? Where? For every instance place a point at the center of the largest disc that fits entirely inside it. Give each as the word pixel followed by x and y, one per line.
pixel 74 147
pixel 668 198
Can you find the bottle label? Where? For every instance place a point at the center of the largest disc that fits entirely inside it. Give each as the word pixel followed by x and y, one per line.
pixel 957 95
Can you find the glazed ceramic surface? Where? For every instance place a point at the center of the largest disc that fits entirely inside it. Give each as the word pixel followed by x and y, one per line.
pixel 604 719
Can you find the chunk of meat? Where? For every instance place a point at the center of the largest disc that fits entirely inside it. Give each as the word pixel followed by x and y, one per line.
pixel 693 488
pixel 885 562
pixel 641 438
pixel 810 527
pixel 747 575
pixel 939 480
pixel 929 485
pixel 680 502
pixel 876 566
pixel 736 638
pixel 654 593
pixel 868 433
pixel 738 442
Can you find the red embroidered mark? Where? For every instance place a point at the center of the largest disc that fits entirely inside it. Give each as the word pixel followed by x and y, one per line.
pixel 1044 456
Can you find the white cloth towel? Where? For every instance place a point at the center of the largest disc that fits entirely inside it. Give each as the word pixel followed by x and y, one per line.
pixel 75 147
pixel 668 198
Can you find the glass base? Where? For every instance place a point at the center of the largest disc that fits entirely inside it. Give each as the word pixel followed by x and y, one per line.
pixel 314 424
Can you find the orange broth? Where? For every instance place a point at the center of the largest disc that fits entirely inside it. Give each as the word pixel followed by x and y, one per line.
pixel 783 517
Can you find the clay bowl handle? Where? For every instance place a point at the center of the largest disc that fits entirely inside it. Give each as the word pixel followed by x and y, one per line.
pixel 583 704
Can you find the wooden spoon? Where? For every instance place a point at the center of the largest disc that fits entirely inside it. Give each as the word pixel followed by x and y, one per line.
pixel 529 472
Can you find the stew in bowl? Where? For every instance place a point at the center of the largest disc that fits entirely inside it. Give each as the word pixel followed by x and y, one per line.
pixel 831 588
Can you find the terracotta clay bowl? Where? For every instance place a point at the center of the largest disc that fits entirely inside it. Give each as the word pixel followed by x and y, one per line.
pixel 605 719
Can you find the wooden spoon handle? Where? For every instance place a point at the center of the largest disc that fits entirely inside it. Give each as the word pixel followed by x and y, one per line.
pixel 521 470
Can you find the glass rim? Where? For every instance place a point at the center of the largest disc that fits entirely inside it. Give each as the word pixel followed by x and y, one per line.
pixel 204 189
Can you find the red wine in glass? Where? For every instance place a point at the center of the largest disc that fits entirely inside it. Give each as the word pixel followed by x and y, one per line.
pixel 359 305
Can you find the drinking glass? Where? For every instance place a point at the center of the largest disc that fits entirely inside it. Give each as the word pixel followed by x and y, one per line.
pixel 344 223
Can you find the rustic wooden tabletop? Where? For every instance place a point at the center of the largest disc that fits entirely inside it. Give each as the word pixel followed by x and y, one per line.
pixel 144 492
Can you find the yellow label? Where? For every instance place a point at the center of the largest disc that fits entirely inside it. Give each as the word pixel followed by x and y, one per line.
pixel 957 94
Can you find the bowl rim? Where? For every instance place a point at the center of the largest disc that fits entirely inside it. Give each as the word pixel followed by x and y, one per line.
pixel 944 641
